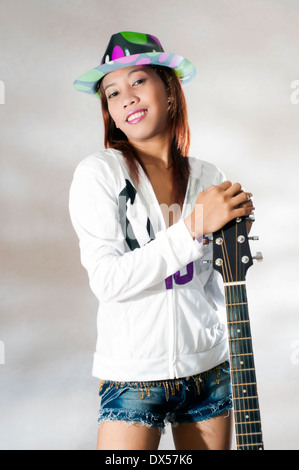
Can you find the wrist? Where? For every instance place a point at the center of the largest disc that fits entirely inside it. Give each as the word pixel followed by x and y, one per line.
pixel 194 226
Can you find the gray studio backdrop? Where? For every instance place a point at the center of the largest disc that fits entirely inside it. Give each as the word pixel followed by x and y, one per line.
pixel 244 115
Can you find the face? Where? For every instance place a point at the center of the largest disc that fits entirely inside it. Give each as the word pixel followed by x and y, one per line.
pixel 137 102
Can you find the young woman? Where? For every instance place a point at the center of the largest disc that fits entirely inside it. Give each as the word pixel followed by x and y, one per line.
pixel 141 209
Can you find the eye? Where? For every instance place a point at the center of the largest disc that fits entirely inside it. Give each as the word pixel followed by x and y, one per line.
pixel 112 95
pixel 138 82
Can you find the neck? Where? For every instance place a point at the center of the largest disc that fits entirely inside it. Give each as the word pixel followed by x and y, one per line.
pixel 155 153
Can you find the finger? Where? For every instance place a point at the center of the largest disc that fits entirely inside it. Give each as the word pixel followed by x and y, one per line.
pixel 243 211
pixel 234 189
pixel 249 196
pixel 218 188
pixel 247 204
pixel 241 198
pixel 225 185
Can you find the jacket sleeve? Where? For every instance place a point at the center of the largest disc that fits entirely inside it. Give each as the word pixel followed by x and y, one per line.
pixel 115 274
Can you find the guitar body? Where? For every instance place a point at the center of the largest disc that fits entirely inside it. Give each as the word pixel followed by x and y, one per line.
pixel 232 258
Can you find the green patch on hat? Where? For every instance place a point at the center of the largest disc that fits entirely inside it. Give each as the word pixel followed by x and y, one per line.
pixel 135 38
pixel 92 76
pixel 185 68
pixel 81 87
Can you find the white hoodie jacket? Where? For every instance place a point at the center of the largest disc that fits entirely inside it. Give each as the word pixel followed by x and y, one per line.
pixel 160 307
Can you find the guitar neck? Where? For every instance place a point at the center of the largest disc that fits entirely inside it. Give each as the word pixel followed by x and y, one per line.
pixel 244 387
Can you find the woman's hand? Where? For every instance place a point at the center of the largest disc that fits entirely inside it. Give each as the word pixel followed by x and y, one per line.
pixel 216 206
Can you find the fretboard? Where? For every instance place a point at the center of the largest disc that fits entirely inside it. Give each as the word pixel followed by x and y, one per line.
pixel 248 427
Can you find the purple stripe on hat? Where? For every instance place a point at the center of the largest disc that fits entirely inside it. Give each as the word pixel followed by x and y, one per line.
pixel 128 59
pixel 175 61
pixel 155 39
pixel 163 56
pixel 143 61
pixel 117 53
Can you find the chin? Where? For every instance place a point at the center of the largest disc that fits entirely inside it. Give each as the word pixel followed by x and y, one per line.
pixel 145 136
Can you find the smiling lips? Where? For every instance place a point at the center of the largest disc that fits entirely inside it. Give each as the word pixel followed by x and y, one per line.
pixel 136 116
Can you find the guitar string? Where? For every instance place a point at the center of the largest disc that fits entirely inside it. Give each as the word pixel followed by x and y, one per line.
pixel 242 347
pixel 235 292
pixel 240 311
pixel 237 343
pixel 249 427
pixel 240 344
pixel 244 333
pixel 254 427
pixel 228 277
pixel 254 424
pixel 249 373
pixel 246 428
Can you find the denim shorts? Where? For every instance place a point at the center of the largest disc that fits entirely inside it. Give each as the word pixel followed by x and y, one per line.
pixel 185 400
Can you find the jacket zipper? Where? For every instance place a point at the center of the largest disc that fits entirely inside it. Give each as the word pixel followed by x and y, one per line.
pixel 169 292
pixel 172 332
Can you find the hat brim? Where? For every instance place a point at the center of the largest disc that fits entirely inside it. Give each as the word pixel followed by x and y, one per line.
pixel 185 70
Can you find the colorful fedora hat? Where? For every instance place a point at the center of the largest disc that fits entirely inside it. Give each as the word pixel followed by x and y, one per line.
pixel 128 48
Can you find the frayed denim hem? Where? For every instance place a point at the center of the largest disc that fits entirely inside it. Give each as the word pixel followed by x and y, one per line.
pixel 209 412
pixel 149 420
pixel 175 402
pixel 131 417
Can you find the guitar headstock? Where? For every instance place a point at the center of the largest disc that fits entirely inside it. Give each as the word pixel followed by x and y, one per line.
pixel 231 251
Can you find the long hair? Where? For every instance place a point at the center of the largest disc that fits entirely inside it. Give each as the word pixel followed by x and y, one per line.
pixel 179 135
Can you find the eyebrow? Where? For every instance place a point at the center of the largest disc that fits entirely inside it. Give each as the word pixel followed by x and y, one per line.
pixel 130 73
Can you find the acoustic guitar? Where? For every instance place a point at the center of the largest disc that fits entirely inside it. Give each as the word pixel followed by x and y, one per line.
pixel 232 258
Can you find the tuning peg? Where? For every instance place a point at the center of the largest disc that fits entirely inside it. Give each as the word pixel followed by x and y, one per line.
pixel 258 256
pixel 251 218
pixel 207 261
pixel 253 238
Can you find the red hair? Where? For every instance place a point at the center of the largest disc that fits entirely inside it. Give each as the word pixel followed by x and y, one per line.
pixel 179 135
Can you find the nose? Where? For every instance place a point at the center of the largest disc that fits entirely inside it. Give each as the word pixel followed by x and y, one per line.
pixel 128 102
pixel 129 98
